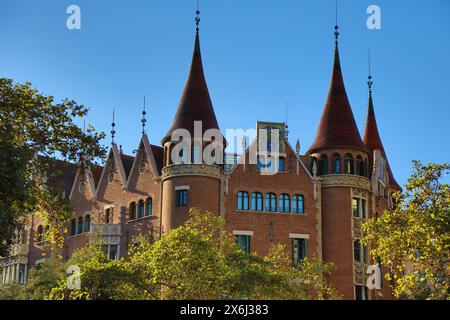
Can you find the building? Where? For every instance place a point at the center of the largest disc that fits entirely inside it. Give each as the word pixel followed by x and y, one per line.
pixel 314 204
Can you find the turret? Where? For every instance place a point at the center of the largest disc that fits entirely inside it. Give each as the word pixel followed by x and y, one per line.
pixel 189 178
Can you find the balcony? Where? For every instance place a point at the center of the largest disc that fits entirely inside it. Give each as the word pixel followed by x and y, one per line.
pixel 108 233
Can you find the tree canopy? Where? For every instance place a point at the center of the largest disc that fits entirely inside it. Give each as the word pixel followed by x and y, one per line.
pixel 413 238
pixel 33 129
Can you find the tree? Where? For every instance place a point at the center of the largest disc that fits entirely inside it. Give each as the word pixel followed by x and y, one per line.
pixel 413 238
pixel 34 128
pixel 201 260
pixel 198 260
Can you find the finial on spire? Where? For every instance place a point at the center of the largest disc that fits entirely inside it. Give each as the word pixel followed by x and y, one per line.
pixel 370 82
pixel 336 27
pixel 286 123
pixel 113 129
pixel 197 18
pixel 143 120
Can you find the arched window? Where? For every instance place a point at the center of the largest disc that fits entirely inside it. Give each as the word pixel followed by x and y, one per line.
pixel 148 207
pixel 87 223
pixel 313 159
pixel 73 227
pixel 284 203
pixel 257 201
pixel 348 164
pixel 298 204
pixel 360 167
pixel 336 164
pixel 80 225
pixel 141 209
pixel 40 233
pixel 132 212
pixel 323 165
pixel 271 202
pixel 243 200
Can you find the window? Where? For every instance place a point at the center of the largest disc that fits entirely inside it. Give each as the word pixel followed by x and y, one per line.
pixel 257 201
pixel 298 204
pixel 348 164
pixel 22 273
pixel 284 204
pixel 142 167
pixel 355 205
pixel 80 225
pixel 359 208
pixel 323 165
pixel 149 207
pixel 141 209
pixel 361 293
pixel 181 198
pixel 73 227
pixel 243 200
pixel 269 163
pixel 87 223
pixel 281 164
pixel 360 252
pixel 111 251
pixel 40 233
pixel 271 202
pixel 244 242
pixel 360 167
pixel 298 251
pixel 132 211
pixel 336 164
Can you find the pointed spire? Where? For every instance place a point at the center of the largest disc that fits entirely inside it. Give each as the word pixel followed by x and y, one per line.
pixel 371 136
pixel 113 129
pixel 195 104
pixel 143 120
pixel 337 127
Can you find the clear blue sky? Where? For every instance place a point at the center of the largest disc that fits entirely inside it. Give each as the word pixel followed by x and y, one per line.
pixel 257 54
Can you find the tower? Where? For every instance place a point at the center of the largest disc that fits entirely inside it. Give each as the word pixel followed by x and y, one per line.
pixel 342 160
pixel 188 178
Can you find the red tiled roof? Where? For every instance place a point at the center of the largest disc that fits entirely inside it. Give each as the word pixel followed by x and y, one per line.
pixel 127 162
pixel 195 104
pixel 337 126
pixel 372 140
pixel 158 154
pixel 61 174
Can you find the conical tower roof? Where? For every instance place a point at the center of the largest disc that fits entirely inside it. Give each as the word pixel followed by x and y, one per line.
pixel 371 137
pixel 195 104
pixel 337 128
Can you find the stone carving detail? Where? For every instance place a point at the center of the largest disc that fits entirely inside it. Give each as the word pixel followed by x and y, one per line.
pixel 360 273
pixel 191 170
pixel 346 180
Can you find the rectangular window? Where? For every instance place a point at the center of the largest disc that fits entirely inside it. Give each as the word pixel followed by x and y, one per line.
pixel 22 273
pixel 181 198
pixel 244 242
pixel 355 207
pixel 357 251
pixel 361 293
pixel 111 251
pixel 298 251
pixel 363 208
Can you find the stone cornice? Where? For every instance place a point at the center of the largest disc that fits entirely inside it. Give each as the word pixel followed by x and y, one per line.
pixel 191 170
pixel 345 180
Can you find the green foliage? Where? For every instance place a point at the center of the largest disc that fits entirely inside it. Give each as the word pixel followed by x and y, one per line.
pixel 199 260
pixel 413 239
pixel 34 128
